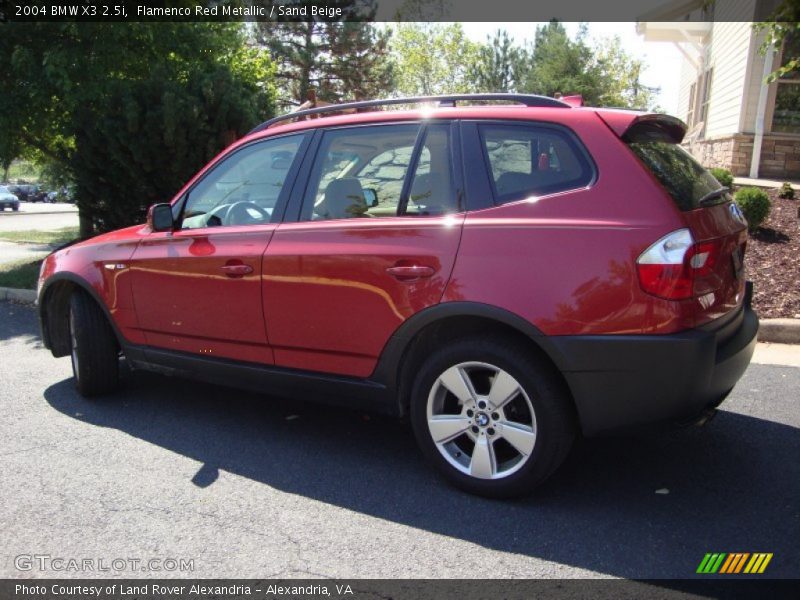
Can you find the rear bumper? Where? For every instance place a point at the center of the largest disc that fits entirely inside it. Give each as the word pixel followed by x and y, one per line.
pixel 623 381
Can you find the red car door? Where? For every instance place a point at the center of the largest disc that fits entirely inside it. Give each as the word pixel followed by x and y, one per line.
pixel 373 241
pixel 198 289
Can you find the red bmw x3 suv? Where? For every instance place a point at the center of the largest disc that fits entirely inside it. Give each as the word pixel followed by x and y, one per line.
pixel 507 275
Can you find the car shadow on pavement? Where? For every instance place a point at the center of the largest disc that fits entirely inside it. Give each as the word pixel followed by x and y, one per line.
pixel 18 323
pixel 644 506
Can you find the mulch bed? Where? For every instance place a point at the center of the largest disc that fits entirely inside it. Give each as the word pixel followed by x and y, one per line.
pixel 772 260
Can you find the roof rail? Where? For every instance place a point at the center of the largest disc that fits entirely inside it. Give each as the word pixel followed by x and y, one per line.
pixel 448 100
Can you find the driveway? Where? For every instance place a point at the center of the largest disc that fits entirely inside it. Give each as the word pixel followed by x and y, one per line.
pixel 39 215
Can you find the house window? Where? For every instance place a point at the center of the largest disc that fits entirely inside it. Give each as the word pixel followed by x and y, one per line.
pixel 786 117
pixel 705 98
pixel 692 99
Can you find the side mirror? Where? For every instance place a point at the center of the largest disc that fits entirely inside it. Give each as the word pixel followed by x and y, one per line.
pixel 159 217
pixel 370 197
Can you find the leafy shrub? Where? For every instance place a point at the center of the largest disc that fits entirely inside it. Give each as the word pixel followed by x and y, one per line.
pixel 724 176
pixel 786 191
pixel 755 205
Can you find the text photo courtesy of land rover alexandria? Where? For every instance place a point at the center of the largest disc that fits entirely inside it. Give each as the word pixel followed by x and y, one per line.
pixel 506 271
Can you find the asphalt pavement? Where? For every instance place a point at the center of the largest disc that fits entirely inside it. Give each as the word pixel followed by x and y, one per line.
pixel 253 486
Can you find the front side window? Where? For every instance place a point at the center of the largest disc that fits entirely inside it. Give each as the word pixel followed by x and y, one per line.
pixel 362 173
pixel 530 160
pixel 244 188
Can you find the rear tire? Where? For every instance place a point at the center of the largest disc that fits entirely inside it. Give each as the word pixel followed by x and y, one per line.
pixel 95 354
pixel 491 417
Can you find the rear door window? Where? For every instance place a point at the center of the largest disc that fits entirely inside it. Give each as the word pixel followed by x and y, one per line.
pixel 533 160
pixel 381 171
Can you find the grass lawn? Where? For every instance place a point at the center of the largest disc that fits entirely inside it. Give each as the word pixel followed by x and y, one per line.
pixel 21 274
pixel 33 236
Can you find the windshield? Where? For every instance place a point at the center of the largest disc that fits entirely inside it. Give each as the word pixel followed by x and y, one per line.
pixel 4 190
pixel 689 184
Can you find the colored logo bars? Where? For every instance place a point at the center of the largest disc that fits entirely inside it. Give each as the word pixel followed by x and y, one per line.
pixel 738 562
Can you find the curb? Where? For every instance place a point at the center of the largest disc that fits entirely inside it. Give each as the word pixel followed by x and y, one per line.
pixel 16 295
pixel 767 184
pixel 775 331
pixel 779 331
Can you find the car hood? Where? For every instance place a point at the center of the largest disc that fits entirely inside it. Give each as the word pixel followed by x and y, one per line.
pixel 8 197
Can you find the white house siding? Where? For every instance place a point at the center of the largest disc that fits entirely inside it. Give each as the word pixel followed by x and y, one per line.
pixel 729 54
pixel 753 84
pixel 732 49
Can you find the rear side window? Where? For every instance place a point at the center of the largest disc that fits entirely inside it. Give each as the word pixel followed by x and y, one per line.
pixel 687 182
pixel 533 160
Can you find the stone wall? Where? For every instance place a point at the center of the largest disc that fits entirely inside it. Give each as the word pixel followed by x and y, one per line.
pixel 780 155
pixel 732 153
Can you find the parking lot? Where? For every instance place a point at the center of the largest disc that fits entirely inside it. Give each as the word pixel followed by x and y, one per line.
pixel 252 486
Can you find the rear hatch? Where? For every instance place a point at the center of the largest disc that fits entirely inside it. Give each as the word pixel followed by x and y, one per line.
pixel 717 226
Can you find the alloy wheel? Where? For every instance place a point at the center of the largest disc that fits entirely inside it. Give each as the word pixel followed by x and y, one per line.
pixel 481 420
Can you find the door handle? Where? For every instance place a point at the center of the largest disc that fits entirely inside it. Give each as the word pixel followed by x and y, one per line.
pixel 410 272
pixel 237 270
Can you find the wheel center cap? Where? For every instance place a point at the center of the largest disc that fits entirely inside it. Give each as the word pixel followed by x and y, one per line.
pixel 482 419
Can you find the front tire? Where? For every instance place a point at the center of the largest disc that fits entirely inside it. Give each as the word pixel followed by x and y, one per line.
pixel 94 353
pixel 491 417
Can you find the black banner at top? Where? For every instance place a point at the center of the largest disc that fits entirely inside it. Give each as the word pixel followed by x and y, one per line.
pixel 386 10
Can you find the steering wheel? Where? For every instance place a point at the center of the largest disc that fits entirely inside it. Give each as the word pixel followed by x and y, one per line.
pixel 238 213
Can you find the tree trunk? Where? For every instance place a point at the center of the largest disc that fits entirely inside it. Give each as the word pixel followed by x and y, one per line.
pixel 86 225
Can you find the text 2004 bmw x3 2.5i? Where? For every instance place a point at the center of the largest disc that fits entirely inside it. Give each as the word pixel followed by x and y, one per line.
pixel 506 275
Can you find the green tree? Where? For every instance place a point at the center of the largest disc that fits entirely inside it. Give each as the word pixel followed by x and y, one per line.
pixel 358 67
pixel 557 64
pixel 296 48
pixel 499 64
pixel 64 81
pixel 620 78
pixel 603 73
pixel 783 30
pixel 434 59
pixel 337 59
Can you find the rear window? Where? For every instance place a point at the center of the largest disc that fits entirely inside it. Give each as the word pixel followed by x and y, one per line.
pixel 689 184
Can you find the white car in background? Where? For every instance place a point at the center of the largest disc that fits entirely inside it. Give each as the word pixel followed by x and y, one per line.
pixel 7 199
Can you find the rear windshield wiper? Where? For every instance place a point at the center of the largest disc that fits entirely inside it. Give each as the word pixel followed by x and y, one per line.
pixel 712 195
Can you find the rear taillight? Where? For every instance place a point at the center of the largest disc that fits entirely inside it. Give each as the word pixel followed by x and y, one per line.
pixel 669 268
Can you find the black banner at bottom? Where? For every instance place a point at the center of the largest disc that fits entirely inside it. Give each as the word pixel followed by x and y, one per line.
pixel 384 589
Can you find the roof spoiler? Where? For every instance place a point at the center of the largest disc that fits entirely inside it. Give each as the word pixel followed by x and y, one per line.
pixel 641 127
